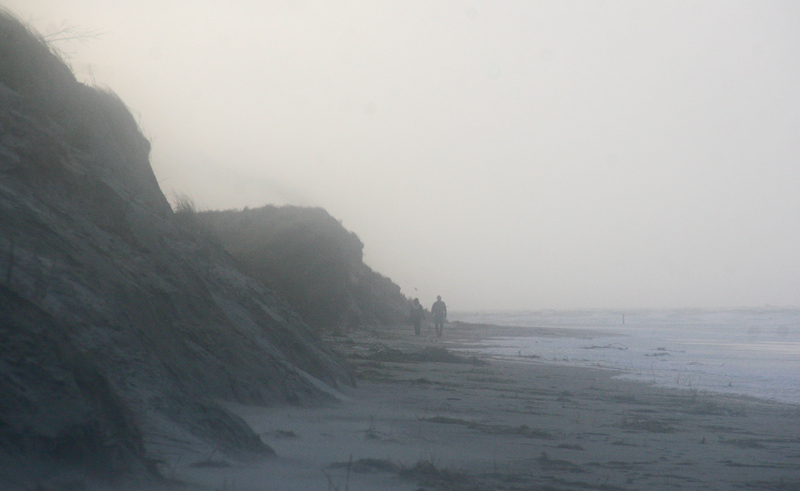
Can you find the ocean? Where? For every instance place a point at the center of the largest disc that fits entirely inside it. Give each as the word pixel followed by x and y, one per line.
pixel 753 352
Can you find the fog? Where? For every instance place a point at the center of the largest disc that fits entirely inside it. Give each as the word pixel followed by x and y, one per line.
pixel 504 155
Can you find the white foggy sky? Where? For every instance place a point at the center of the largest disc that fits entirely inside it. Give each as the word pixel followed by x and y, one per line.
pixel 510 154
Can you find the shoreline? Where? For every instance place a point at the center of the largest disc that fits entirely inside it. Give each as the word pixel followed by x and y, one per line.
pixel 429 414
pixel 686 378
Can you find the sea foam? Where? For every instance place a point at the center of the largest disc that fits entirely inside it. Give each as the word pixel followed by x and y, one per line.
pixel 753 352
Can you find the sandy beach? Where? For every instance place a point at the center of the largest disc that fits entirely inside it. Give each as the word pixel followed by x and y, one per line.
pixel 429 414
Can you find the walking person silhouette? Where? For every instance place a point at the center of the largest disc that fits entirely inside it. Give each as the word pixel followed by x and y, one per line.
pixel 439 311
pixel 416 315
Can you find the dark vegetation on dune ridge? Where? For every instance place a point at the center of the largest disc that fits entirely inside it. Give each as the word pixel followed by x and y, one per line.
pixel 121 327
pixel 311 260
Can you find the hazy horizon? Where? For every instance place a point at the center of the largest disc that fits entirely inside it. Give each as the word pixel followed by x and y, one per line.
pixel 516 155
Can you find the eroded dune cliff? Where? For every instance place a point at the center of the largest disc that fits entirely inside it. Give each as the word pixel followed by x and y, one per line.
pixel 119 328
pixel 311 260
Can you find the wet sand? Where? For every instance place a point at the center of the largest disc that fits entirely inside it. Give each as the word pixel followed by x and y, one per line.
pixel 428 414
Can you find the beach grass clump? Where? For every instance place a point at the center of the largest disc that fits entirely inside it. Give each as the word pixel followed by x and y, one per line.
pixel 426 473
pixel 521 430
pixel 374 375
pixel 545 462
pixel 743 442
pixel 640 423
pixel 368 465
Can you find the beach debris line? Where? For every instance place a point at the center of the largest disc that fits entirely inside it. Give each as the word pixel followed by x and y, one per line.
pixel 616 346
pixel 429 354
pixel 426 472
pixel 368 465
pixel 522 430
pixel 635 422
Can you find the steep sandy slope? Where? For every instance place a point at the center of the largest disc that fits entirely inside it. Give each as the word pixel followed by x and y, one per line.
pixel 310 259
pixel 119 329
